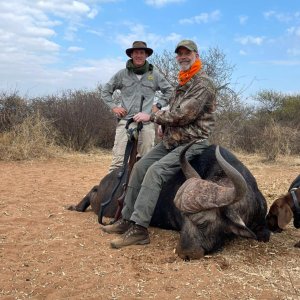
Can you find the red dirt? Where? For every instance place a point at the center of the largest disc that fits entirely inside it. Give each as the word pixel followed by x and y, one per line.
pixel 48 252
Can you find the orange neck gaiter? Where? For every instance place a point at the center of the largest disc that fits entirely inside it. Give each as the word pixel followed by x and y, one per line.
pixel 185 76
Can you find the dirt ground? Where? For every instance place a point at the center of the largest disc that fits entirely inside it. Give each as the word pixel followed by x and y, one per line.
pixel 48 252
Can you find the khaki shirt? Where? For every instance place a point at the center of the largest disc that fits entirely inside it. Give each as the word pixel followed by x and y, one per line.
pixel 132 88
pixel 192 112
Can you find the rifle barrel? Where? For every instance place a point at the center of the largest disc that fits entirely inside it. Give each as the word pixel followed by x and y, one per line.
pixel 141 104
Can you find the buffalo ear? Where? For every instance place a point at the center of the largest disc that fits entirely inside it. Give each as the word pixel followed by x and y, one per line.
pixel 236 225
pixel 285 215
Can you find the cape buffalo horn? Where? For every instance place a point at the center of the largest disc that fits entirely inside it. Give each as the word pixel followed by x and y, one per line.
pixel 236 177
pixel 186 167
pixel 197 194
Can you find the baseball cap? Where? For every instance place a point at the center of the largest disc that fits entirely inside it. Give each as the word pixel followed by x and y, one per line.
pixel 187 44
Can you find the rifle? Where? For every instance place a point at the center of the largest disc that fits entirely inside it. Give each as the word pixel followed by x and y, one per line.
pixel 133 138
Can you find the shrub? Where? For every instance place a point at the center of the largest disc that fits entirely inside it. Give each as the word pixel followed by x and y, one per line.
pixel 81 118
pixel 13 110
pixel 33 138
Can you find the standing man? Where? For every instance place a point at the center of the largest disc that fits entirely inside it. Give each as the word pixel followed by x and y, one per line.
pixel 138 79
pixel 191 117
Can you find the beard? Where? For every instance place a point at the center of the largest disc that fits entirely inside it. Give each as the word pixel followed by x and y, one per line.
pixel 185 64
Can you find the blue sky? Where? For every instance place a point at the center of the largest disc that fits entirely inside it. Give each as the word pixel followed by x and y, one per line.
pixel 48 46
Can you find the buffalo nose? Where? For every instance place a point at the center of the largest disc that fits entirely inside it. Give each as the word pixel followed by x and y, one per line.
pixel 189 254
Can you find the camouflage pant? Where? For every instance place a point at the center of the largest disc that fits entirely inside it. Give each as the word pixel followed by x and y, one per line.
pixel 145 142
pixel 147 178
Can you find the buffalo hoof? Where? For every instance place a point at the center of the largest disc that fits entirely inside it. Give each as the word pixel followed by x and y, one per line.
pixel 71 207
pixel 297 245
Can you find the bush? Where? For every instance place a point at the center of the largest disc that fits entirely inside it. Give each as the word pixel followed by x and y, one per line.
pixel 80 121
pixel 13 110
pixel 81 118
pixel 33 138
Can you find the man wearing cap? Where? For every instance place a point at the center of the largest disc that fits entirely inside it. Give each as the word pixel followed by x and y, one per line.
pixel 190 117
pixel 138 79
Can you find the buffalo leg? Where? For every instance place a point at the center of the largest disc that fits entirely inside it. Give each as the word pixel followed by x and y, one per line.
pixel 85 202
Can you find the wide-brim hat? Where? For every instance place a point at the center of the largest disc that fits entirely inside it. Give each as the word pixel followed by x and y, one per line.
pixel 139 45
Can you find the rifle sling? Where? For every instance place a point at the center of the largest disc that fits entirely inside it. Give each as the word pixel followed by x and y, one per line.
pixel 120 200
pixel 128 150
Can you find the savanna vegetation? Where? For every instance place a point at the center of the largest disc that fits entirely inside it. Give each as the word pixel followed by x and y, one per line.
pixel 80 121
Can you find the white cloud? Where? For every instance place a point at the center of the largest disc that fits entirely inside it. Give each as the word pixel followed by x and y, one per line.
pixel 161 3
pixel 138 32
pixel 92 14
pixel 242 52
pixel 278 62
pixel 293 51
pixel 250 40
pixel 65 8
pixel 85 75
pixel 70 32
pixel 173 37
pixel 31 57
pixel 95 32
pixel 75 49
pixel 294 31
pixel 269 14
pixel 281 17
pixel 243 19
pixel 27 25
pixel 202 18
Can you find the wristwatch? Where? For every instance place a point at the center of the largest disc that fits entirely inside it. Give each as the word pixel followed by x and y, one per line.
pixel 158 105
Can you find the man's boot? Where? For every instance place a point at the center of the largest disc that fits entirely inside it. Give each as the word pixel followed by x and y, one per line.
pixel 120 226
pixel 135 235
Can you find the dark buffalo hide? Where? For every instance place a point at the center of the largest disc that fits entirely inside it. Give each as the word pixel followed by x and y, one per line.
pixel 193 242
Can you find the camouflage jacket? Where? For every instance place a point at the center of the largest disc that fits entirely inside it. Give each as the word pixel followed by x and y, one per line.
pixel 191 114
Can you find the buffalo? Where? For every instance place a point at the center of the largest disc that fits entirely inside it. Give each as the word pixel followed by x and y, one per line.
pixel 205 231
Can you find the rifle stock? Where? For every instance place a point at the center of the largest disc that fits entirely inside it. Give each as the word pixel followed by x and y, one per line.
pixel 120 202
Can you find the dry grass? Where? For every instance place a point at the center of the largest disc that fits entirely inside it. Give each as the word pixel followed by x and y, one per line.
pixel 33 138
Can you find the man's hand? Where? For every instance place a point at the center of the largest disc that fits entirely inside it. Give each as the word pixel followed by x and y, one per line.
pixel 154 108
pixel 120 112
pixel 141 117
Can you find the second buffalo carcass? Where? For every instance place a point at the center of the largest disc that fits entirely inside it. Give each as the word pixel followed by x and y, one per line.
pixel 204 231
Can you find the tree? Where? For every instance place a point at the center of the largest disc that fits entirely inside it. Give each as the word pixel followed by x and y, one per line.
pixel 13 110
pixel 167 65
pixel 214 64
pixel 269 100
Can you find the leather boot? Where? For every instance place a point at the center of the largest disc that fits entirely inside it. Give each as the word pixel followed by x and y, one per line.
pixel 120 226
pixel 135 235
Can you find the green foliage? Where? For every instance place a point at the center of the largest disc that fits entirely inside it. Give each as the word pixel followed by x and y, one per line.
pixel 289 111
pixel 269 100
pixel 281 107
